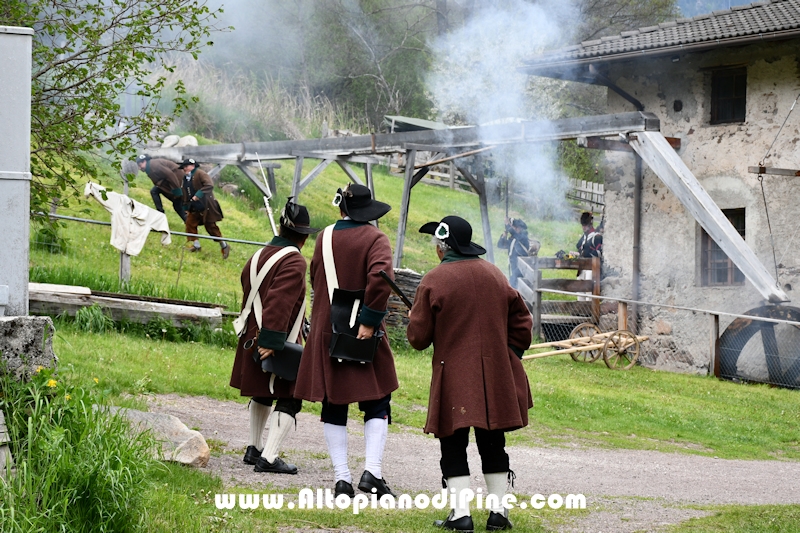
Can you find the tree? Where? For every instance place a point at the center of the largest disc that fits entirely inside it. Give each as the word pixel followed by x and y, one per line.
pixel 86 55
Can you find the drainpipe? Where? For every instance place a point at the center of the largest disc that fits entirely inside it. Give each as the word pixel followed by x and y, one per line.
pixel 15 166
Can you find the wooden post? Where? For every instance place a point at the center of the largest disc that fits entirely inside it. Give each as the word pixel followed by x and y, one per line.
pixel 596 289
pixel 487 228
pixel 452 176
pixel 298 175
pixel 411 155
pixel 537 299
pixel 124 267
pixel 271 179
pixel 622 315
pixel 370 180
pixel 713 364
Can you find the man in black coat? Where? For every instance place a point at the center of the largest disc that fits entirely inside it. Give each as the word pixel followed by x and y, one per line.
pixel 166 178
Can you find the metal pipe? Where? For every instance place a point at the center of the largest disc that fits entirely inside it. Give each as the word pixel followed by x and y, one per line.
pixel 637 236
pixel 676 307
pixel 209 237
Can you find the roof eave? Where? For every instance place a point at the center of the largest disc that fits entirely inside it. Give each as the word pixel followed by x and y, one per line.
pixel 559 69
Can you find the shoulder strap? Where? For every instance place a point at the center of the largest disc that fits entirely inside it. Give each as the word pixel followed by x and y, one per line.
pixel 327 259
pixel 257 279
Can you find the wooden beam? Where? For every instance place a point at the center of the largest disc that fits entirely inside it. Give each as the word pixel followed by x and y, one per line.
pixel 313 174
pixel 258 182
pixel 419 174
pixel 774 171
pixel 404 207
pixel 510 133
pixel 598 143
pixel 349 171
pixel 298 174
pixel 668 166
pixel 454 157
pixel 569 285
pixel 484 205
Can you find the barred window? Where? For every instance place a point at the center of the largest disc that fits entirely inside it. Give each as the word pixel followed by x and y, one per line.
pixel 728 95
pixel 716 267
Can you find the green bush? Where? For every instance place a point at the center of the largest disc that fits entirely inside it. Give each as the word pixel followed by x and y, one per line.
pixel 48 238
pixel 79 468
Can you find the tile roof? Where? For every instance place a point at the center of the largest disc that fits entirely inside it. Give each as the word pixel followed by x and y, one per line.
pixel 765 19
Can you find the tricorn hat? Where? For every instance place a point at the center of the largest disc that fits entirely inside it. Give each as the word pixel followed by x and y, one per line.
pixel 186 162
pixel 357 203
pixel 456 233
pixel 295 217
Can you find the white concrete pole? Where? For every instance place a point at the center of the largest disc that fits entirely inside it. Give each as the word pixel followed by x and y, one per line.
pixel 15 164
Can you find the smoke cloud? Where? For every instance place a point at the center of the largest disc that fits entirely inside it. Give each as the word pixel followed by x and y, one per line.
pixel 475 80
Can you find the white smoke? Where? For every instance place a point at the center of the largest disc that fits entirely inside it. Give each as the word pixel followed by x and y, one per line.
pixel 476 80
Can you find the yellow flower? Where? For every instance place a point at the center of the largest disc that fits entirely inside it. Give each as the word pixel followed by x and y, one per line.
pixel 39 368
pixel 96 380
pixel 52 383
pixel 68 397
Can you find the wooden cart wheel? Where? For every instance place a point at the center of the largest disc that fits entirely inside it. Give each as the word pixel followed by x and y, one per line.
pixel 587 329
pixel 621 350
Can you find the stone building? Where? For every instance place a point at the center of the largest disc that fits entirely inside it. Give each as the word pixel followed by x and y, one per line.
pixel 722 84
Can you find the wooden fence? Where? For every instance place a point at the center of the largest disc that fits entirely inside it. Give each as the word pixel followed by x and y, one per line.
pixel 588 194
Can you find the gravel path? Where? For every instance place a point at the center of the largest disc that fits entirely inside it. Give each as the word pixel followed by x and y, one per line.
pixel 626 490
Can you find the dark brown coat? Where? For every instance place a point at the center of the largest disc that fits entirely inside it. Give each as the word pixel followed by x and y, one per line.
pixel 360 253
pixel 282 294
pixel 471 315
pixel 201 182
pixel 165 175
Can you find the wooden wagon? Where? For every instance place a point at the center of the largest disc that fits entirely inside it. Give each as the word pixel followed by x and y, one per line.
pixel 586 343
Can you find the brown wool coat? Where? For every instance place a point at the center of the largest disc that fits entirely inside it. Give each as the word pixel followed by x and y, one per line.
pixel 359 254
pixel 282 294
pixel 471 315
pixel 202 182
pixel 165 175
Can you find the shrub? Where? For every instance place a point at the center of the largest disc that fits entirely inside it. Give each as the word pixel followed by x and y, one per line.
pixel 78 467
pixel 48 238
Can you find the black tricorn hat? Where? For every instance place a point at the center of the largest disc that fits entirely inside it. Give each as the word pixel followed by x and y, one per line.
pixel 456 233
pixel 295 217
pixel 357 203
pixel 186 162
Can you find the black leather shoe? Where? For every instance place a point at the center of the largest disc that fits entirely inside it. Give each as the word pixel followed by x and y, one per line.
pixel 343 487
pixel 463 524
pixel 277 467
pixel 368 482
pixel 251 455
pixel 498 522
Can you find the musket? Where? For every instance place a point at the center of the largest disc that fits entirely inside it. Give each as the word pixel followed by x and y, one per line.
pixel 267 197
pixel 395 288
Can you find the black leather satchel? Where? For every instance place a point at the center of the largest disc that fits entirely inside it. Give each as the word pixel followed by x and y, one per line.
pixel 283 363
pixel 345 344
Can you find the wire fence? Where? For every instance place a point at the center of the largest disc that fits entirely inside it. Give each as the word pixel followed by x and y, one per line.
pixel 762 346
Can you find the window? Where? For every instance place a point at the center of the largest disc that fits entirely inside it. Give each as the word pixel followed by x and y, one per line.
pixel 716 267
pixel 728 95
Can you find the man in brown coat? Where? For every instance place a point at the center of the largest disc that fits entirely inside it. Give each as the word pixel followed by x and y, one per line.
pixel 166 178
pixel 359 252
pixel 203 208
pixel 479 327
pixel 282 297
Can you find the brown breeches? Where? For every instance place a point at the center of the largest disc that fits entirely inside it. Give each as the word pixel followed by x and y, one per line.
pixel 193 220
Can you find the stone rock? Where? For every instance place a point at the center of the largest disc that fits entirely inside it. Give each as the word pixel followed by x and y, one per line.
pixel 170 141
pixel 231 188
pixel 178 443
pixel 187 140
pixel 663 328
pixel 26 342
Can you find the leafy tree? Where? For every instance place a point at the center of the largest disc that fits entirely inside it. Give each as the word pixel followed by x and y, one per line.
pixel 86 55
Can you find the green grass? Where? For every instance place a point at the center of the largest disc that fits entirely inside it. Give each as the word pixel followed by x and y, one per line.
pixel 574 402
pixel 85 257
pixel 744 519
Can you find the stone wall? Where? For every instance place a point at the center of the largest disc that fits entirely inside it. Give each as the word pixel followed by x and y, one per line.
pixel 26 342
pixel 407 280
pixel 718 155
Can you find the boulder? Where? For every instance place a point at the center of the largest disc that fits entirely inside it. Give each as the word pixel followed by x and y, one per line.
pixel 178 443
pixel 230 188
pixel 187 140
pixel 170 141
pixel 26 342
